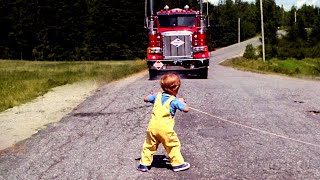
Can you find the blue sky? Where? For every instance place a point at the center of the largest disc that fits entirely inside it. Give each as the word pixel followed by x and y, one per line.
pixel 287 4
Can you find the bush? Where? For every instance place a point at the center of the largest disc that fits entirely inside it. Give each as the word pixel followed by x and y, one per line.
pixel 314 52
pixel 250 52
pixel 271 51
pixel 317 68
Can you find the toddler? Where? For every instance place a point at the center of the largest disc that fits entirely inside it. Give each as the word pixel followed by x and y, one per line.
pixel 160 128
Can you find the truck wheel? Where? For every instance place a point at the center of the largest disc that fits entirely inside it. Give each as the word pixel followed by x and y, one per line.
pixel 152 74
pixel 204 73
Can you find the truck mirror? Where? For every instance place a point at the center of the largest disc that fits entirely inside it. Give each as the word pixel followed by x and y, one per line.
pixel 146 23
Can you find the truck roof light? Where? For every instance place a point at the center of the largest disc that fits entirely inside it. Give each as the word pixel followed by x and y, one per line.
pixel 186 7
pixel 166 8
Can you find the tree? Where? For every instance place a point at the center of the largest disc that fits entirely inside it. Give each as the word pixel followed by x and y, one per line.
pixel 250 52
pixel 271 24
pixel 247 12
pixel 315 32
pixel 6 24
pixel 308 15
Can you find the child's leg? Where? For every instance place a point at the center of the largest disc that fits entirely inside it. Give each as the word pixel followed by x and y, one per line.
pixel 172 145
pixel 150 146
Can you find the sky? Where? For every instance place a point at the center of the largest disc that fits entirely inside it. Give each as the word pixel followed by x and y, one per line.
pixel 287 4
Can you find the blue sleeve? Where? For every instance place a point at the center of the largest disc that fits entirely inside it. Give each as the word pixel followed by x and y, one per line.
pixel 152 98
pixel 178 104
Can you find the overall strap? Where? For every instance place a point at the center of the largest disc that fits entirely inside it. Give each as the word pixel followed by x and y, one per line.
pixel 161 116
pixel 167 104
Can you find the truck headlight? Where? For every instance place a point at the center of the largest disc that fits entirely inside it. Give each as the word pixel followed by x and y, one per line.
pixel 200 49
pixel 155 50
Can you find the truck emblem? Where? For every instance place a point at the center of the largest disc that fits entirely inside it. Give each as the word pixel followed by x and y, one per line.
pixel 177 42
pixel 158 64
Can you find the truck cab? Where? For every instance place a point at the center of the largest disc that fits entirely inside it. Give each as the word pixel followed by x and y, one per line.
pixel 177 42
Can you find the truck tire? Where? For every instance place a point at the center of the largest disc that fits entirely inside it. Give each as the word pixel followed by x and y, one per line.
pixel 203 73
pixel 152 74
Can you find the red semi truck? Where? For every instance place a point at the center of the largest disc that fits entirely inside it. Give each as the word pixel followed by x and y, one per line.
pixel 177 41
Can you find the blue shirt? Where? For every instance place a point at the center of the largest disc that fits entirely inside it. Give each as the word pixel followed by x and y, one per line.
pixel 174 105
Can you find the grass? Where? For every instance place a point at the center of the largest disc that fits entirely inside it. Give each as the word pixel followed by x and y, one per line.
pixel 307 68
pixel 22 81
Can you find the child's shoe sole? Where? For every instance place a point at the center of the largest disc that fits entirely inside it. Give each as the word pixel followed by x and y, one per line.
pixel 142 168
pixel 182 167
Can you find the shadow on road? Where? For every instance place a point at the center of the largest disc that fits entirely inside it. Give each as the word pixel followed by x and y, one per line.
pixel 182 76
pixel 160 161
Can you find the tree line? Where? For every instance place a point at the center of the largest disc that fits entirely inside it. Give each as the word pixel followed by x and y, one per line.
pixel 114 29
pixel 71 29
pixel 303 38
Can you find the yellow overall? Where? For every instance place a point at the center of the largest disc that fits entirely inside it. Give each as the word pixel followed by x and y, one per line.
pixel 160 130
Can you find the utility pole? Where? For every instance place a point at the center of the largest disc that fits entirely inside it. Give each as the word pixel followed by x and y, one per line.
pixel 208 23
pixel 282 15
pixel 239 33
pixel 262 33
pixel 238 3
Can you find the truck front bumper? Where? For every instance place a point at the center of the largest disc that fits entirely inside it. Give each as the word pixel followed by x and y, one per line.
pixel 181 65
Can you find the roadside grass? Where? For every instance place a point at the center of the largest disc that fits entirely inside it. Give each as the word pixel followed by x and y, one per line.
pixel 306 68
pixel 22 81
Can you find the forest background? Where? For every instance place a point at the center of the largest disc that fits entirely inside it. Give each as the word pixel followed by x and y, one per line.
pixel 73 30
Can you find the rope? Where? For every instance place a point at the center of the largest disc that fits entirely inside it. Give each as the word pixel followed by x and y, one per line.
pixel 256 129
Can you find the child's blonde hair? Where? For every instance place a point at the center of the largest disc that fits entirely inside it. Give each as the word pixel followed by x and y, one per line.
pixel 170 83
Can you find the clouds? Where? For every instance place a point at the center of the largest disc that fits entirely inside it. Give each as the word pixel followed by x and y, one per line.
pixel 215 2
pixel 308 2
pixel 287 4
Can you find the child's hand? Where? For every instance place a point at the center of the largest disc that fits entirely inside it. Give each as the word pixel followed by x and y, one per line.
pixel 182 100
pixel 186 109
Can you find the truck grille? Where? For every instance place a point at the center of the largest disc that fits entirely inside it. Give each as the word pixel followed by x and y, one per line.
pixel 177 44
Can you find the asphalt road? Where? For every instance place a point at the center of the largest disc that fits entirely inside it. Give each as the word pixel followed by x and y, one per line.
pixel 277 135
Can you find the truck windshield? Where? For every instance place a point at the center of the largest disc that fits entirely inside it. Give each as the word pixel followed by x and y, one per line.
pixel 176 20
